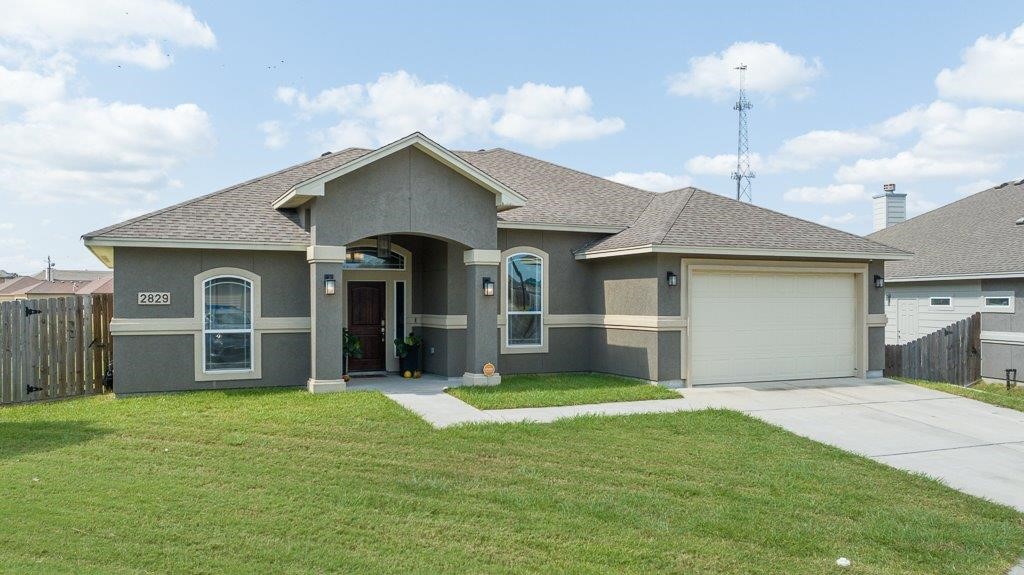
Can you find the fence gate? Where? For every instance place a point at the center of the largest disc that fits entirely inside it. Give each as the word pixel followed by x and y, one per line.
pixel 53 348
pixel 952 354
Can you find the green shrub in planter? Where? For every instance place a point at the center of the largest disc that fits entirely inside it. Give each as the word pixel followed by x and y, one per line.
pixel 408 350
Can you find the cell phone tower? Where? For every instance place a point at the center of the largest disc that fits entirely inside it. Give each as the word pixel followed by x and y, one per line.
pixel 743 173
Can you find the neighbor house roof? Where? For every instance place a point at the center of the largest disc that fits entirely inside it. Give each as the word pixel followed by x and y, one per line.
pixel 975 236
pixel 96 286
pixel 73 275
pixel 17 285
pixel 556 198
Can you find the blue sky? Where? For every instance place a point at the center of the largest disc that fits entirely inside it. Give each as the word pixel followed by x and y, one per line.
pixel 114 108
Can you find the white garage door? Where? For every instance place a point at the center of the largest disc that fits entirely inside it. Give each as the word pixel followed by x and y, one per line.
pixel 749 326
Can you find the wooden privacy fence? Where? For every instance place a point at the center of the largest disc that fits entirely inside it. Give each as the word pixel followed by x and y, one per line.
pixel 54 348
pixel 952 354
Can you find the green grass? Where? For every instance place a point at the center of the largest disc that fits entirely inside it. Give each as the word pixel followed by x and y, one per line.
pixel 994 393
pixel 546 390
pixel 288 482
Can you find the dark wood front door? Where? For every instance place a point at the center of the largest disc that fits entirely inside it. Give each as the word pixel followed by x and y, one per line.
pixel 366 321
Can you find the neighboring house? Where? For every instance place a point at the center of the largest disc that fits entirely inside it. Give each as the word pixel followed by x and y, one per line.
pixel 79 276
pixel 492 257
pixel 30 287
pixel 968 258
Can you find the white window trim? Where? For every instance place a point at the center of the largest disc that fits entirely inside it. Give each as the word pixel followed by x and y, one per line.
pixel 985 307
pixel 932 304
pixel 250 330
pixel 503 304
pixel 199 301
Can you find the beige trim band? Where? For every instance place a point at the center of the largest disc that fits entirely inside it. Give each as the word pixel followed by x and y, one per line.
pixel 439 321
pixel 189 326
pixel 629 322
pixel 993 276
pixel 748 252
pixel 1003 337
pixel 877 320
pixel 481 257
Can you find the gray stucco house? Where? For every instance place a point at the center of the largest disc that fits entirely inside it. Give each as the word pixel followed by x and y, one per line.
pixel 968 258
pixel 492 257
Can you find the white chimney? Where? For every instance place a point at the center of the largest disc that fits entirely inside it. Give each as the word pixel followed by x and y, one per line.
pixel 890 207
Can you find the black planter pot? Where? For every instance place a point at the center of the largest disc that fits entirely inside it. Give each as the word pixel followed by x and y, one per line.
pixel 411 361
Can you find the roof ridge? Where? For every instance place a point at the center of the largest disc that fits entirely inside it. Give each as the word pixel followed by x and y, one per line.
pixel 852 235
pixel 569 169
pixel 1000 186
pixel 686 202
pixel 191 201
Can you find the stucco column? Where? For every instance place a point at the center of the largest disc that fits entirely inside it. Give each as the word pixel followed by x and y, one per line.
pixel 481 317
pixel 326 319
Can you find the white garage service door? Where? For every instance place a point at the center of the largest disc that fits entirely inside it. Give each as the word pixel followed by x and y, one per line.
pixel 766 326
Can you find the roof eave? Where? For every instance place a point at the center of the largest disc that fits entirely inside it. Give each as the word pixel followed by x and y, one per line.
pixel 103 247
pixel 505 197
pixel 747 252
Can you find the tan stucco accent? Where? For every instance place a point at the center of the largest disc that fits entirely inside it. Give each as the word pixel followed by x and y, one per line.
pixel 877 320
pixel 481 257
pixel 438 321
pixel 326 254
pixel 1004 337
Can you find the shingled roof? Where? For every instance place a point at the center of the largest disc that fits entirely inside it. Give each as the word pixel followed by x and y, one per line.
pixel 555 196
pixel 975 236
pixel 697 220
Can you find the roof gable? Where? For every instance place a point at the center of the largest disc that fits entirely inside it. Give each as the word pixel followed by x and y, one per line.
pixel 505 197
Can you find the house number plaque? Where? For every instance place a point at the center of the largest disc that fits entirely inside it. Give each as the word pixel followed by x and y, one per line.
pixel 154 298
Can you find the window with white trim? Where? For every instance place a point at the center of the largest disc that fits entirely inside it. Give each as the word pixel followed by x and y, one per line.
pixel 227 324
pixel 940 301
pixel 999 302
pixel 525 306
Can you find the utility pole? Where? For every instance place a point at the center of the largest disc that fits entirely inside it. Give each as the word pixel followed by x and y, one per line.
pixel 743 173
pixel 49 269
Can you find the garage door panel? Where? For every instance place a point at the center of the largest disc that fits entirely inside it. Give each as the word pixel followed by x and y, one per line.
pixel 752 326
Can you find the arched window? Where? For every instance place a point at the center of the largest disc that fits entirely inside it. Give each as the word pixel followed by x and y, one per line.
pixel 368 259
pixel 525 305
pixel 227 324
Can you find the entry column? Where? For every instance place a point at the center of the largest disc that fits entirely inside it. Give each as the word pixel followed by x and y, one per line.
pixel 326 308
pixel 481 316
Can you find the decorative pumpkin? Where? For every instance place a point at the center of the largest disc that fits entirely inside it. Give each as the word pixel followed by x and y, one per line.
pixel 417 374
pixel 407 374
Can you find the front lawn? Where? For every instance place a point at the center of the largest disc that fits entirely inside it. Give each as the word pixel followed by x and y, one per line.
pixel 288 482
pixel 546 390
pixel 994 393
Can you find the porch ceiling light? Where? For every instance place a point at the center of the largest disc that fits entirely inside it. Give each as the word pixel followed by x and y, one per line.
pixel 879 282
pixel 488 286
pixel 329 284
pixel 672 278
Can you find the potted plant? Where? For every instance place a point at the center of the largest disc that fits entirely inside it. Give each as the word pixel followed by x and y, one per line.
pixel 352 346
pixel 408 350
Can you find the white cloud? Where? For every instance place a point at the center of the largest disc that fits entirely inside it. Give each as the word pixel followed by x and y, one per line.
pixel 810 150
pixel 992 70
pixel 399 103
pixel 274 134
pixel 916 205
pixel 770 70
pixel 951 142
pixel 830 220
pixel 102 25
pixel 6 226
pixel 27 87
pixel 85 148
pixel 833 194
pixel 545 116
pixel 651 181
pixel 720 165
pixel 148 55
pixel 974 187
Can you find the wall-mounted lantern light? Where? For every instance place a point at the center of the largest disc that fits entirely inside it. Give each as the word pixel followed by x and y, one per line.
pixel 329 284
pixel 488 286
pixel 879 282
pixel 673 279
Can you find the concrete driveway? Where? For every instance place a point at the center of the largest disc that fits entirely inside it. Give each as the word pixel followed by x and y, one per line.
pixel 972 446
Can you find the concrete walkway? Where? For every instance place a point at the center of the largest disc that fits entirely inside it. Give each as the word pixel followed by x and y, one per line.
pixel 971 446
